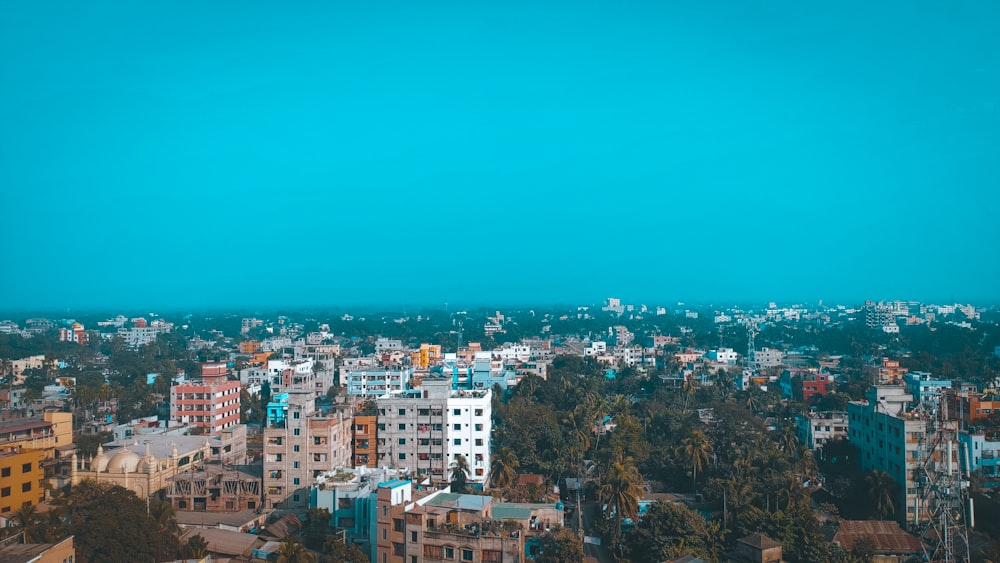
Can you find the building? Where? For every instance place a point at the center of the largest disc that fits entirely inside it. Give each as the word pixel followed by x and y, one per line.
pixel 926 389
pixel 75 333
pixel 765 358
pixel 724 356
pixel 350 496
pixel 365 438
pixel 756 548
pixel 891 438
pixel 815 385
pixel 59 552
pixel 458 527
pixel 889 373
pixel 212 403
pixel 968 407
pixel 890 542
pixel 21 477
pixel 426 355
pixel 377 383
pixel 47 432
pixel 817 428
pixel 426 429
pixel 300 444
pixel 141 333
pixel 214 487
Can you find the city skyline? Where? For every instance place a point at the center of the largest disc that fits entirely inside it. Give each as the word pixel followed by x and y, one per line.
pixel 241 155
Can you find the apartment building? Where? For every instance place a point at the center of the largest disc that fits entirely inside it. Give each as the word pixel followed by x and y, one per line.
pixel 426 429
pixel 212 403
pixel 893 439
pixel 370 384
pixel 817 428
pixel 75 333
pixel 21 476
pixel 365 439
pixel 300 444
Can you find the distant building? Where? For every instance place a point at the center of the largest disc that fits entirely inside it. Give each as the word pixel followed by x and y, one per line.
pixel 75 333
pixel 815 429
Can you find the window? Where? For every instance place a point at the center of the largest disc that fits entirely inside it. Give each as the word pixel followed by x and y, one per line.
pixel 479 412
pixel 5 472
pixel 466 554
pixel 295 481
pixel 295 465
pixel 26 468
pixel 479 441
pixel 295 432
pixel 402 455
pixel 479 428
pixel 402 427
pixel 457 426
pixel 5 492
pixel 413 537
pixel 295 448
pixel 457 441
pixel 25 487
pixel 397 524
pixel 402 412
pixel 433 552
pixel 424 412
pixel 449 552
pixel 381 426
pixel 456 412
pixel 402 441
pixel 397 548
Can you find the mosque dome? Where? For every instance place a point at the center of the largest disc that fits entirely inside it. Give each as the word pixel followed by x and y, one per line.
pixel 100 461
pixel 124 461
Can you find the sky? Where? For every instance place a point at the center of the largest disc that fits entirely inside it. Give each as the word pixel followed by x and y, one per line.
pixel 252 153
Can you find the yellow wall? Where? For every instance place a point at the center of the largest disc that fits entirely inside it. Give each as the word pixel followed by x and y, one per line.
pixel 14 479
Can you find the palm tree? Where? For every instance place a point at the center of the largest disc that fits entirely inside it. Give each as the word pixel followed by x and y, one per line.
pixel 788 439
pixel 163 513
pixel 578 421
pixel 753 402
pixel 695 451
pixel 25 519
pixel 292 551
pixel 882 488
pixel 459 473
pixel 503 468
pixel 621 489
pixel 725 383
pixel 690 387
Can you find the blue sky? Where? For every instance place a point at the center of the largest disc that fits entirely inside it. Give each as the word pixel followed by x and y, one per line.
pixel 245 153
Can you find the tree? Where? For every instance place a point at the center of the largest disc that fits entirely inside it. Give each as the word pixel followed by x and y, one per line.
pixel 560 545
pixel 881 489
pixel 24 518
pixel 459 474
pixel 620 491
pixel 110 524
pixel 292 550
pixel 196 547
pixel 336 551
pixel 503 468
pixel 668 531
pixel 695 451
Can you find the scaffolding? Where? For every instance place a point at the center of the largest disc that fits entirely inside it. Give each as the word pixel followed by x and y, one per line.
pixel 944 512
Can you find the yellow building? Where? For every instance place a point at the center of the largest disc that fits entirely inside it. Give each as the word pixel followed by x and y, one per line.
pixel 21 476
pixel 59 552
pixel 427 355
pixel 46 432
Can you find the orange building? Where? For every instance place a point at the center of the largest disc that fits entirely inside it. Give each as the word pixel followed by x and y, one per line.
pixel 250 346
pixel 21 476
pixel 365 439
pixel 427 355
pixel 890 372
pixel 969 407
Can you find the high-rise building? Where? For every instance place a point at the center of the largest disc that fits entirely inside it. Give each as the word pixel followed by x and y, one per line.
pixel 426 429
pixel 212 403
pixel 300 444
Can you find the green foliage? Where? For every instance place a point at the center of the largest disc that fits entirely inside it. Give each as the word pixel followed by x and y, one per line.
pixel 668 531
pixel 560 545
pixel 336 551
pixel 110 524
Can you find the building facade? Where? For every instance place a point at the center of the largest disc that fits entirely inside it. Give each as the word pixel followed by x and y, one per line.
pixel 426 429
pixel 212 403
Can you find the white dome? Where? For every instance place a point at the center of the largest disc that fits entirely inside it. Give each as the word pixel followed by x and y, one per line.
pixel 123 461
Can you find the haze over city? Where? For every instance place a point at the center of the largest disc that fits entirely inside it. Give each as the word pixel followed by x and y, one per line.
pixel 238 154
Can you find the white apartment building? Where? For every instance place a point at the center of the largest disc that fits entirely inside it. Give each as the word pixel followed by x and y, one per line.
pixel 426 429
pixel 816 428
pixel 377 383
pixel 724 355
pixel 140 335
pixel 766 357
